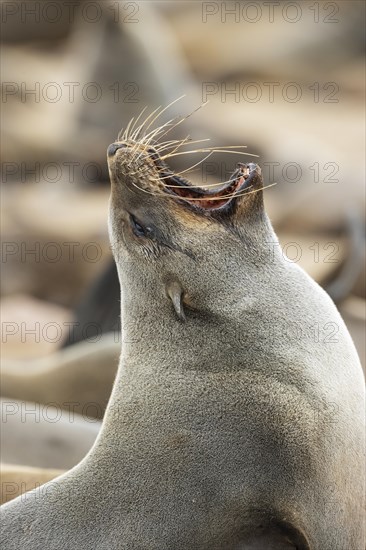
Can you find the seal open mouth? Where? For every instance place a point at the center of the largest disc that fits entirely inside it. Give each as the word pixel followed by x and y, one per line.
pixel 211 198
pixel 217 198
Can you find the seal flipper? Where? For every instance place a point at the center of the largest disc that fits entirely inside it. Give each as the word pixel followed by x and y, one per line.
pixel 175 293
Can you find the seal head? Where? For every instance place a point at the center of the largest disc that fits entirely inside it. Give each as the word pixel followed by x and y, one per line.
pixel 156 215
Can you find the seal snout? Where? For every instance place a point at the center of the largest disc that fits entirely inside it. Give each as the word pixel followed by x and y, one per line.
pixel 113 148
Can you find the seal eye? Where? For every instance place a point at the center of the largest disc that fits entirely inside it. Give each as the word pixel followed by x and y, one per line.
pixel 138 229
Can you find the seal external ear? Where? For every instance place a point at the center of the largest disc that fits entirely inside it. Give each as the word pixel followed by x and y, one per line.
pixel 175 292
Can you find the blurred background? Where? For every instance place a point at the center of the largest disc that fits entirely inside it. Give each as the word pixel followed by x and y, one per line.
pixel 286 79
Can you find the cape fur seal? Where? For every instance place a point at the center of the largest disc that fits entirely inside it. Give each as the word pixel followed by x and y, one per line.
pixel 44 436
pixel 224 431
pixel 81 375
pixel 17 480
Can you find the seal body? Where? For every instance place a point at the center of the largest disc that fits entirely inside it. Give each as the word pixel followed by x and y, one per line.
pixel 16 480
pixel 44 436
pixel 78 377
pixel 236 420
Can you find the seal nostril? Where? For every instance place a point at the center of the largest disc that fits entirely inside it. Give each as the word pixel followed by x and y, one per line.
pixel 111 151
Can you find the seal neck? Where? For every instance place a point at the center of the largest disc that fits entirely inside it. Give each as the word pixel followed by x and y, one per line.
pixel 161 351
pixel 221 288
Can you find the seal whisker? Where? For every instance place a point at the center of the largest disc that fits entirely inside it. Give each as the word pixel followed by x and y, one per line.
pixel 137 132
pixel 157 130
pixel 125 134
pixel 211 152
pixel 160 146
pixel 223 197
pixel 133 133
pixel 167 143
pixel 165 109
pixel 147 140
pixel 185 118
pixel 147 137
pixel 209 185
pixel 147 119
pixel 171 143
pixel 220 147
pixel 185 141
pixel 145 190
pixel 119 135
pixel 170 148
pixel 190 168
pixel 211 198
pixel 206 149
pixel 144 136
